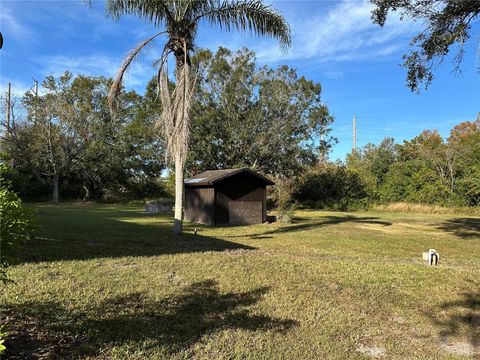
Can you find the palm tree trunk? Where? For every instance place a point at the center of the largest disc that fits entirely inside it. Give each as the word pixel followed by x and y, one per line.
pixel 55 188
pixel 179 186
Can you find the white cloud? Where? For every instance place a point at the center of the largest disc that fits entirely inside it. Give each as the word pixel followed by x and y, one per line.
pixel 98 65
pixel 344 33
pixel 18 88
pixel 12 27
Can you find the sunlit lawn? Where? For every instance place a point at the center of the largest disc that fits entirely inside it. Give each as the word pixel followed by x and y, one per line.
pixel 111 282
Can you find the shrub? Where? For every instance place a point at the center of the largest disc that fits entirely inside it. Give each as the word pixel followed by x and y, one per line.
pixel 332 186
pixel 469 186
pixel 414 182
pixel 3 334
pixel 15 223
pixel 283 196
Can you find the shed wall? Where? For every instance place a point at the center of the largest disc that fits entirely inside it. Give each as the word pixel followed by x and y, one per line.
pixel 240 188
pixel 199 205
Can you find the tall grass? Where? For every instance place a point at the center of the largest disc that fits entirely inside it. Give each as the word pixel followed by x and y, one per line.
pixel 406 207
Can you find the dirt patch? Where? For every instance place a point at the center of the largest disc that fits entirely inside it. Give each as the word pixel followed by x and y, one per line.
pixel 459 348
pixel 371 351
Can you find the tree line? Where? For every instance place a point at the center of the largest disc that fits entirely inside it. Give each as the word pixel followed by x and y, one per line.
pixel 427 169
pixel 65 143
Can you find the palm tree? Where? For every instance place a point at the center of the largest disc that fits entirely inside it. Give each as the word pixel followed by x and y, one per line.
pixel 180 20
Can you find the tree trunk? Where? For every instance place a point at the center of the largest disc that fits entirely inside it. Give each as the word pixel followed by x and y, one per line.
pixel 179 186
pixel 87 193
pixel 55 188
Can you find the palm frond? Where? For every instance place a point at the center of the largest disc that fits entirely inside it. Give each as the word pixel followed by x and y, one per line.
pixel 154 11
pixel 117 83
pixel 243 15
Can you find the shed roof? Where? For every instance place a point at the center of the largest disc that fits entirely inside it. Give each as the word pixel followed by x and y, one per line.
pixel 210 177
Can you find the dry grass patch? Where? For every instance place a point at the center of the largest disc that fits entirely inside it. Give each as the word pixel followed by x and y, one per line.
pixel 405 207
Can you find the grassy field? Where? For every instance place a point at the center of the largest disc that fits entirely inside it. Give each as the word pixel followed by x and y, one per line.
pixel 111 282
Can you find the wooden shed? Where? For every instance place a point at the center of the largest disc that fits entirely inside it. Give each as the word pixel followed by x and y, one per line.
pixel 226 197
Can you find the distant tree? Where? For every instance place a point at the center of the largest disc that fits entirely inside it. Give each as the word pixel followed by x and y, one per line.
pixel 17 150
pixel 265 118
pixel 446 23
pixel 421 173
pixel 372 163
pixel 181 20
pixel 429 146
pixel 464 145
pixel 56 128
pixel 426 169
pixel 69 131
pixel 113 154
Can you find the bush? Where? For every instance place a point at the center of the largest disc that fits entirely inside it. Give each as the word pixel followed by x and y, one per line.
pixel 15 223
pixel 332 186
pixel 283 197
pixel 414 182
pixel 3 334
pixel 469 186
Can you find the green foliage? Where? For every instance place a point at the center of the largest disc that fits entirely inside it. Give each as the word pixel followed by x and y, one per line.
pixel 414 181
pixel 263 118
pixel 3 334
pixel 332 186
pixel 67 136
pixel 283 192
pixel 372 163
pixel 170 184
pixel 447 23
pixel 426 169
pixel 469 185
pixel 15 223
pixel 181 18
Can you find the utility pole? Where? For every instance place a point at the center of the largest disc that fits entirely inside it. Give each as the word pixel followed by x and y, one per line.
pixel 34 90
pixel 354 147
pixel 8 105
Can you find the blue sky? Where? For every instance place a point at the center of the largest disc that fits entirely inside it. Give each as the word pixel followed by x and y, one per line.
pixel 334 43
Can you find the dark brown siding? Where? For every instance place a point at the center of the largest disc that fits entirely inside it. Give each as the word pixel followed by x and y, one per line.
pixel 199 205
pixel 221 208
pixel 243 189
pixel 264 204
pixel 244 212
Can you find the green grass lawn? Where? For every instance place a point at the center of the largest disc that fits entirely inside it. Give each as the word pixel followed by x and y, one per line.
pixel 111 282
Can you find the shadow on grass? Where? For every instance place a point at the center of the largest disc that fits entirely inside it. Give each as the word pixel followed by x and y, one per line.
pixel 308 224
pixel 466 228
pixel 162 327
pixel 79 233
pixel 460 318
